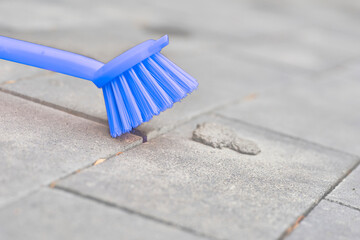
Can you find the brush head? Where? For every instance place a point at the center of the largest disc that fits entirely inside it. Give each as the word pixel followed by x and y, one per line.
pixel 150 84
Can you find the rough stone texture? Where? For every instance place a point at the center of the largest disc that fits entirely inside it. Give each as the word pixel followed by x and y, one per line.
pixel 74 94
pixel 39 145
pixel 308 48
pixel 155 17
pixel 45 15
pixel 329 221
pixel 348 191
pixel 220 193
pixel 12 72
pixel 321 111
pixel 53 214
pixel 218 136
pixel 291 66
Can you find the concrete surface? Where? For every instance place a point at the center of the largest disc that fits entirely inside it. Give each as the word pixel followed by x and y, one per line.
pixel 174 178
pixel 329 221
pixel 40 145
pixel 347 192
pixel 284 74
pixel 53 214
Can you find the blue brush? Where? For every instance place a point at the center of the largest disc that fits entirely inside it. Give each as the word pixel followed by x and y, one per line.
pixel 137 85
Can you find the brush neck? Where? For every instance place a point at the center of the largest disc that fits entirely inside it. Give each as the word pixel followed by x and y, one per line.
pixel 128 59
pixel 48 58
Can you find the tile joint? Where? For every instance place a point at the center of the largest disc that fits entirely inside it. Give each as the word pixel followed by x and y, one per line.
pixel 342 204
pixel 133 212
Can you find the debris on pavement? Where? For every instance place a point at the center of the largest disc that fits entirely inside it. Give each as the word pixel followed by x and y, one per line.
pixel 218 136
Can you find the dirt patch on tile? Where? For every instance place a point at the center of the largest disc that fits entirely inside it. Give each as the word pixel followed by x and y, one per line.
pixel 218 136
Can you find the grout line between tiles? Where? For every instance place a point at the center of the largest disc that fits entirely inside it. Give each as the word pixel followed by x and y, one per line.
pixel 294 224
pixel 52 184
pixel 342 204
pixel 286 233
pixel 55 106
pixel 131 211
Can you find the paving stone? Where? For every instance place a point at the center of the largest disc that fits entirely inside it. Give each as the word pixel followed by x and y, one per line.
pixel 39 145
pixel 307 48
pixel 52 214
pixel 329 221
pixel 42 15
pixel 348 191
pixel 74 94
pixel 11 72
pixel 319 111
pixel 218 192
pixel 340 16
pixel 153 17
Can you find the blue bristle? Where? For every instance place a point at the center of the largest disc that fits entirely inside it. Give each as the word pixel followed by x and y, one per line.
pixel 187 82
pixel 165 80
pixel 162 100
pixel 143 91
pixel 130 103
pixel 144 101
pixel 112 112
pixel 125 124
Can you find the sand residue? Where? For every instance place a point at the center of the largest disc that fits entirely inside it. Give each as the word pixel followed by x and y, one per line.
pixel 218 136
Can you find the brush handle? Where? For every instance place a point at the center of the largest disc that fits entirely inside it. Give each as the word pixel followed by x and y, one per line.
pixel 48 58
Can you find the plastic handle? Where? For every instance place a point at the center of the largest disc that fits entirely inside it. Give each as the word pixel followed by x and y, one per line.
pixel 48 58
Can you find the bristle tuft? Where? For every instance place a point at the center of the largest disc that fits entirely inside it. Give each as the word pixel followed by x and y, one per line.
pixel 112 112
pixel 143 91
pixel 187 82
pixel 144 101
pixel 164 80
pixel 125 125
pixel 162 100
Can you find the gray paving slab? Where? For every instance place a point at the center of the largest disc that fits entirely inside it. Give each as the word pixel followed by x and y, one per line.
pixel 39 145
pixel 11 72
pixel 348 192
pixel 47 15
pixel 329 221
pixel 319 111
pixel 74 94
pixel 220 193
pixel 186 16
pixel 340 16
pixel 307 48
pixel 52 214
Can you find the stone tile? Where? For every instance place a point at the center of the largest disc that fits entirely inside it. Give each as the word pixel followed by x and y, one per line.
pixel 220 193
pixel 52 214
pixel 348 191
pixel 39 145
pixel 11 72
pixel 225 22
pixel 319 111
pixel 74 94
pixel 329 221
pixel 334 15
pixel 307 48
pixel 42 15
pixel 155 16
